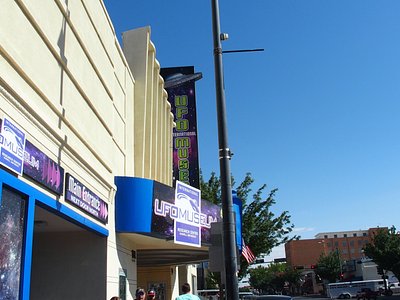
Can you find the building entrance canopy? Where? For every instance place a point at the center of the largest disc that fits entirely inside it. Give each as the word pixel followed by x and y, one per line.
pixel 147 213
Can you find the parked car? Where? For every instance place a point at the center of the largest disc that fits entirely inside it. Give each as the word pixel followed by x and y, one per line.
pixel 271 297
pixel 367 294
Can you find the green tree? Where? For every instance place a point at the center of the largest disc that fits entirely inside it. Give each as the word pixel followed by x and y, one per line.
pixel 329 266
pixel 274 278
pixel 262 230
pixel 385 250
pixel 260 278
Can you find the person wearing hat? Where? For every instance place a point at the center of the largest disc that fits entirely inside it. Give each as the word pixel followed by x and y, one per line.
pixel 140 294
pixel 151 294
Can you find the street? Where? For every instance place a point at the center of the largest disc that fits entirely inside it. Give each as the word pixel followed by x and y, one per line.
pixel 394 297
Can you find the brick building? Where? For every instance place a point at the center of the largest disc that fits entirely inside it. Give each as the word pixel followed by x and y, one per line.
pixel 303 254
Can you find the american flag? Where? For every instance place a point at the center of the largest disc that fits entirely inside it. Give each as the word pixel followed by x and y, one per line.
pixel 246 252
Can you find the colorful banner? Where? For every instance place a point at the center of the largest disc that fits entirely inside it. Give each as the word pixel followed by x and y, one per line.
pixel 181 216
pixel 80 196
pixel 12 146
pixel 179 83
pixel 43 169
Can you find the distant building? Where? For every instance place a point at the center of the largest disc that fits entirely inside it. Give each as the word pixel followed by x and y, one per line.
pixel 304 254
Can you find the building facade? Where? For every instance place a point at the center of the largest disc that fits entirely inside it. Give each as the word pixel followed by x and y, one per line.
pixel 85 151
pixel 303 254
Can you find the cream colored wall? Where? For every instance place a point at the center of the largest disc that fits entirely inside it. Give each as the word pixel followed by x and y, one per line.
pixel 66 82
pixel 153 117
pixel 66 88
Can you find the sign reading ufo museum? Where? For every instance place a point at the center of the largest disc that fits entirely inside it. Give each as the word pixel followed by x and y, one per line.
pixel 179 83
pixel 12 146
pixel 182 215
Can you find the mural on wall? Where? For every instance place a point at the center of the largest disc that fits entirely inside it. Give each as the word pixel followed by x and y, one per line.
pixel 187 213
pixel 12 223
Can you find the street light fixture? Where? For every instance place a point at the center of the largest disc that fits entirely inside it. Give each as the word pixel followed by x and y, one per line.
pixel 228 221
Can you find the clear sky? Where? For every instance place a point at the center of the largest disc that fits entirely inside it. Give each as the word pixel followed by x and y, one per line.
pixel 316 115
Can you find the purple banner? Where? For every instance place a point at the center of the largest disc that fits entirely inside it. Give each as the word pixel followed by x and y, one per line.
pixel 42 169
pixel 80 196
pixel 179 83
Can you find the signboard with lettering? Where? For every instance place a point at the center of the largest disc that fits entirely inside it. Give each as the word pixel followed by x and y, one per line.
pixel 181 215
pixel 12 146
pixel 42 169
pixel 80 196
pixel 182 97
pixel 187 223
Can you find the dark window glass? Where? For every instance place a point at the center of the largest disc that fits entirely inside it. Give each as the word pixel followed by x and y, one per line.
pixel 12 224
pixel 122 286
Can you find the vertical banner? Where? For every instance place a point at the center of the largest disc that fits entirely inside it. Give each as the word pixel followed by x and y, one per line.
pixel 179 83
pixel 187 230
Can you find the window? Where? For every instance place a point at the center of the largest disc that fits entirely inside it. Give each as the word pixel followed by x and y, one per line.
pixel 345 235
pixel 344 243
pixel 336 244
pixel 335 236
pixel 122 284
pixel 352 244
pixel 364 234
pixel 325 236
pixel 12 225
pixel 354 234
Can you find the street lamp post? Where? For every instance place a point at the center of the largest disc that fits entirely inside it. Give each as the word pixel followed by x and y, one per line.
pixel 228 221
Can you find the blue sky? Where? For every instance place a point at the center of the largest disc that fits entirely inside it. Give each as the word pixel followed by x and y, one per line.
pixel 315 115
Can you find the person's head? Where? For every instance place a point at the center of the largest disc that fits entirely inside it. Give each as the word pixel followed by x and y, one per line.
pixel 140 294
pixel 185 288
pixel 151 294
pixel 114 298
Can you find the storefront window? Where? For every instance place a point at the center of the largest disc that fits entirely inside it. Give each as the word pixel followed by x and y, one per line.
pixel 122 284
pixel 12 223
pixel 159 288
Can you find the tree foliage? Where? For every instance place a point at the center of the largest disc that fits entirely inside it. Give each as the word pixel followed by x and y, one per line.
pixel 329 266
pixel 274 279
pixel 385 250
pixel 262 230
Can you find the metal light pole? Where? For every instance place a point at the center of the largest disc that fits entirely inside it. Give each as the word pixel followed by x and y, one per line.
pixel 228 221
